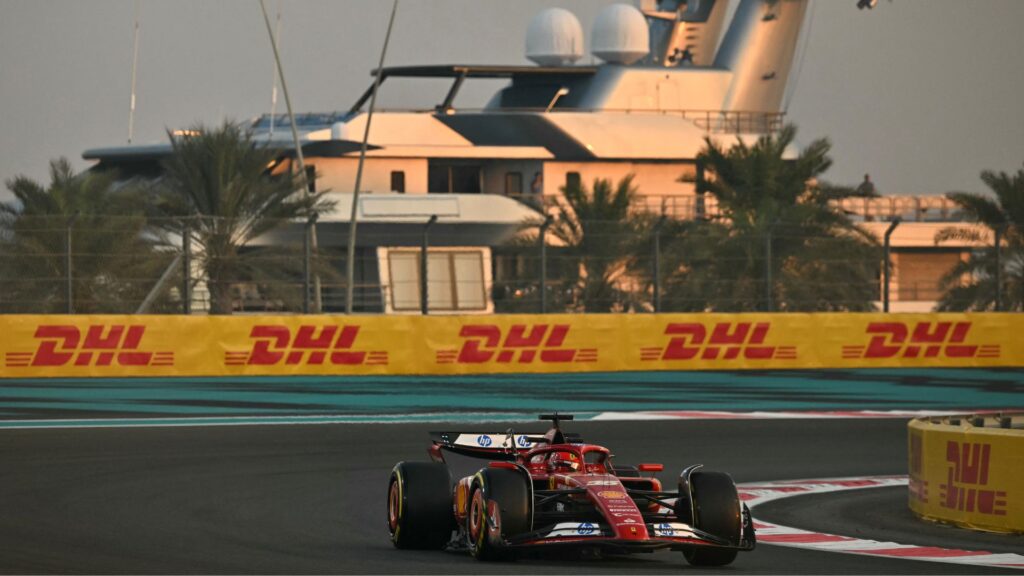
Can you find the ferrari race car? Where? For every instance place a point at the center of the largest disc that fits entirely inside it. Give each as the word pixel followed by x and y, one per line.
pixel 538 492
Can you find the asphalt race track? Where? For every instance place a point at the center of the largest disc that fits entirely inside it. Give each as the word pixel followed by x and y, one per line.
pixel 310 498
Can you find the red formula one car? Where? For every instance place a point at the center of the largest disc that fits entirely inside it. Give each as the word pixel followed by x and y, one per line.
pixel 554 490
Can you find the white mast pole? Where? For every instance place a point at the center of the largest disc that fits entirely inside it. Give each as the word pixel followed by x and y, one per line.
pixel 350 269
pixel 300 160
pixel 273 80
pixel 135 62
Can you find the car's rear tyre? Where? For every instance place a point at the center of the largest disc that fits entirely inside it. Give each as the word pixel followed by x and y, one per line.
pixel 500 506
pixel 420 505
pixel 716 507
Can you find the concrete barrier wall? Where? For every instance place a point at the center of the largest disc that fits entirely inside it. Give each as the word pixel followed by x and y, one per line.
pixel 968 471
pixel 77 346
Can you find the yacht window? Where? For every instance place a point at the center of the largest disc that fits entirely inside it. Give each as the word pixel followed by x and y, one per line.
pixel 453 177
pixel 398 181
pixel 513 183
pixel 573 180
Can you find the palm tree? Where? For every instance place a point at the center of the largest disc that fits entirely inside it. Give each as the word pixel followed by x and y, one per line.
pixel 771 207
pixel 114 262
pixel 227 188
pixel 1005 214
pixel 599 236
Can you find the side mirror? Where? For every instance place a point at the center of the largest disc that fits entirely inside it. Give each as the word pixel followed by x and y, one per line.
pixel 650 467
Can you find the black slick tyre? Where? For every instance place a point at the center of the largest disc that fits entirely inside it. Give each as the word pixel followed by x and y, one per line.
pixel 716 508
pixel 420 505
pixel 500 506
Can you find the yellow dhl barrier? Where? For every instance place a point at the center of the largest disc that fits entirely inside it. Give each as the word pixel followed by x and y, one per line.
pixel 966 474
pixel 43 346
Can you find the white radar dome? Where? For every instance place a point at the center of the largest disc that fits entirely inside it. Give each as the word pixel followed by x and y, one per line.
pixel 620 35
pixel 554 38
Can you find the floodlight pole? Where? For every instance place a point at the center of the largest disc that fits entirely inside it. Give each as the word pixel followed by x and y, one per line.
pixel 350 261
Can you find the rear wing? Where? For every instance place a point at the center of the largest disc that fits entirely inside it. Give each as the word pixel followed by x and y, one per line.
pixel 489 445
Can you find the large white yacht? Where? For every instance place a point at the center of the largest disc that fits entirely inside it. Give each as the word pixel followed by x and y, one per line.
pixel 668 74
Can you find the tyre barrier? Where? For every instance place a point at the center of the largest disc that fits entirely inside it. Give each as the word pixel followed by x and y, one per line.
pixel 968 470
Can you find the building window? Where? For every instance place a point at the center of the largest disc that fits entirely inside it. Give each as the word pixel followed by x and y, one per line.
pixel 398 181
pixel 573 180
pixel 455 280
pixel 513 183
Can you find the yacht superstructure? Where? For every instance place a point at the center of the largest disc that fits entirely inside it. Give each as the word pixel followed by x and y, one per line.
pixel 668 78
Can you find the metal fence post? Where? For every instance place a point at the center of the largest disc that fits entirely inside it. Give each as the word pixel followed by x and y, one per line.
pixel 656 272
pixel 307 256
pixel 423 264
pixel 69 288
pixel 998 233
pixel 186 268
pixel 768 269
pixel 542 240
pixel 886 265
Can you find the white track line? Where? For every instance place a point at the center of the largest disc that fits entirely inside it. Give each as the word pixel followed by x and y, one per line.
pixel 774 534
pixel 781 415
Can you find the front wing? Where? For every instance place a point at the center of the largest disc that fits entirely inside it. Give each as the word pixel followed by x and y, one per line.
pixel 673 535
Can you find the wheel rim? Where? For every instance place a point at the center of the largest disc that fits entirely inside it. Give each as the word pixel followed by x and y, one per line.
pixel 394 505
pixel 477 510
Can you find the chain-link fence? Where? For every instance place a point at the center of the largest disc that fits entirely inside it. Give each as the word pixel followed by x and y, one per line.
pixel 115 264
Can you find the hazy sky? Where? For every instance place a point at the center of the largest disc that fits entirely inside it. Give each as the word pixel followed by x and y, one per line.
pixel 923 94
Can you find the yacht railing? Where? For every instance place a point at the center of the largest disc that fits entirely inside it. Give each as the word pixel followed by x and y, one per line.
pixel 885 209
pixel 907 208
pixel 710 121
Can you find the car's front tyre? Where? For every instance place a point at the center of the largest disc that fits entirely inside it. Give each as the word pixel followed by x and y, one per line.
pixel 716 510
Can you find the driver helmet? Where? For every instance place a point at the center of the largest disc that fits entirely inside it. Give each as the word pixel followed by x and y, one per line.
pixel 564 461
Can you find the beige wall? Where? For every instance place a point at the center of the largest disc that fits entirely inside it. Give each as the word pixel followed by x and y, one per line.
pixel 339 174
pixel 651 178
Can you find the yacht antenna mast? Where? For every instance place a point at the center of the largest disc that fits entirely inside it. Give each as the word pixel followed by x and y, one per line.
pixel 303 180
pixel 135 62
pixel 350 268
pixel 273 78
